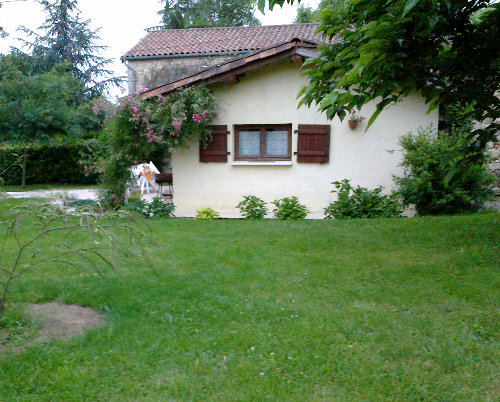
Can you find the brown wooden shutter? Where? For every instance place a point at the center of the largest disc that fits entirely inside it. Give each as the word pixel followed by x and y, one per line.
pixel 313 144
pixel 216 149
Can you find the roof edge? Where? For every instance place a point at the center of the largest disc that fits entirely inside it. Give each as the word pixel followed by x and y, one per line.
pixel 156 28
pixel 182 55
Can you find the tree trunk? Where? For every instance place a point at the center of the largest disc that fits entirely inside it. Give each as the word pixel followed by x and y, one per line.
pixel 25 157
pixel 2 307
pixel 125 195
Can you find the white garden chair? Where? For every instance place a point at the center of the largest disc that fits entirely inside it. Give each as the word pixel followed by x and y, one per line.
pixel 143 175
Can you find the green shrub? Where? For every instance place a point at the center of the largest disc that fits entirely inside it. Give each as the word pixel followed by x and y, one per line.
pixel 160 208
pixel 138 206
pixel 442 175
pixel 252 207
pixel 289 208
pixel 206 213
pixel 361 202
pixel 52 163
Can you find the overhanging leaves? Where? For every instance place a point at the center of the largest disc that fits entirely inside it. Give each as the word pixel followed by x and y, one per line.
pixel 446 51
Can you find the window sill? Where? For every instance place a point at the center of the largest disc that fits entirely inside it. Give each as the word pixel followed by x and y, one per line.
pixel 262 163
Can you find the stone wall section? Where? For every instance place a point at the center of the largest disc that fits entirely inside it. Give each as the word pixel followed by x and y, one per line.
pixel 493 151
pixel 152 73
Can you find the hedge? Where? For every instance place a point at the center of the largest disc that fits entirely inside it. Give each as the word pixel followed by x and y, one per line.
pixel 54 163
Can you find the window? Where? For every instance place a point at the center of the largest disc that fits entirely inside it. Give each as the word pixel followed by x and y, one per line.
pixel 263 142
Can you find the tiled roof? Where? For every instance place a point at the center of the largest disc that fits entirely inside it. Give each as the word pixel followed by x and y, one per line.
pixel 219 40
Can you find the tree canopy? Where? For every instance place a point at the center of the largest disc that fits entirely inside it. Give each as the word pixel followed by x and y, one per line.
pixel 307 14
pixel 208 13
pixel 68 38
pixel 3 34
pixel 35 107
pixel 384 50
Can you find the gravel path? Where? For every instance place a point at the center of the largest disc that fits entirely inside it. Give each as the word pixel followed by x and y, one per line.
pixel 66 195
pixel 84 194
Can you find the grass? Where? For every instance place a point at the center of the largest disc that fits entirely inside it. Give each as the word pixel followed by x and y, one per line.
pixel 57 186
pixel 367 310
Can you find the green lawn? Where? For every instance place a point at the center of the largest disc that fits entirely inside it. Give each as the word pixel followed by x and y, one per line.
pixel 372 310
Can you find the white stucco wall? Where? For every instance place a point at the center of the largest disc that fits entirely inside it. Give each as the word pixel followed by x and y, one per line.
pixel 268 96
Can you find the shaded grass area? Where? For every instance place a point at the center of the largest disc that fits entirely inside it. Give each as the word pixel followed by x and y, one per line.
pixel 374 310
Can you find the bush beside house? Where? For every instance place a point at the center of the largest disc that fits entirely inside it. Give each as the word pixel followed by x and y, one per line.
pixel 440 177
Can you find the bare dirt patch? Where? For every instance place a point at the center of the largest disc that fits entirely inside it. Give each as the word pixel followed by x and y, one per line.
pixel 63 320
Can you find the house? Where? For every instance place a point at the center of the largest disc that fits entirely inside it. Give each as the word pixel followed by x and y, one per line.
pixel 165 55
pixel 264 145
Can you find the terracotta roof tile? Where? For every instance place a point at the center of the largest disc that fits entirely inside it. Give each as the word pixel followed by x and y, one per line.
pixel 217 40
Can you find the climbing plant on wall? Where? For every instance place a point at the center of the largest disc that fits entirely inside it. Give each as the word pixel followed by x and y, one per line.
pixel 135 127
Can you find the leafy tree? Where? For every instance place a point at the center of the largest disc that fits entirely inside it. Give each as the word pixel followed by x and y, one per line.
pixel 308 14
pixel 208 13
pixel 35 107
pixel 68 38
pixel 390 49
pixel 3 34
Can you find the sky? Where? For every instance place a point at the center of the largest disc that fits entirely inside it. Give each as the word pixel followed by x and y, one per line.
pixel 121 22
